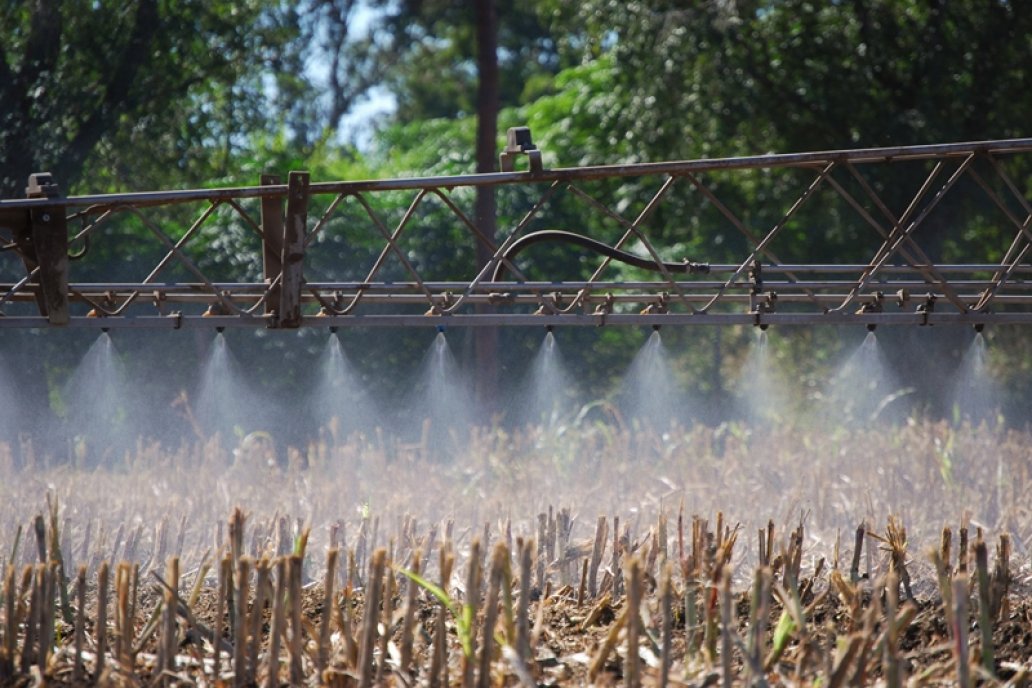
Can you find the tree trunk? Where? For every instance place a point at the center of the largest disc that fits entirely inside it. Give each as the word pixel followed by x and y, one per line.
pixel 486 338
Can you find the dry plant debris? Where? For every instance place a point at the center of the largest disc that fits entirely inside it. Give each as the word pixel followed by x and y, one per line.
pixel 650 583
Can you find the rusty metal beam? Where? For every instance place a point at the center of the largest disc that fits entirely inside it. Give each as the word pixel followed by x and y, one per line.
pixel 292 255
pixel 272 242
pixel 906 319
pixel 49 239
pixel 815 160
pixel 745 292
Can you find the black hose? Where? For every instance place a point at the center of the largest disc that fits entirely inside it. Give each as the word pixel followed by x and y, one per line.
pixel 685 266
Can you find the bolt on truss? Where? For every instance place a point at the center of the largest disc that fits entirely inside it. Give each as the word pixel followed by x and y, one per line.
pixel 923 235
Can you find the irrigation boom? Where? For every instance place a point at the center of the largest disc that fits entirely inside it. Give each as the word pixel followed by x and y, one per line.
pixel 400 252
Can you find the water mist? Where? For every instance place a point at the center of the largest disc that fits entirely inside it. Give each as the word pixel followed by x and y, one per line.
pixel 339 401
pixel 652 398
pixel 225 404
pixel 98 405
pixel 864 389
pixel 976 395
pixel 440 410
pixel 546 397
pixel 762 397
pixel 12 417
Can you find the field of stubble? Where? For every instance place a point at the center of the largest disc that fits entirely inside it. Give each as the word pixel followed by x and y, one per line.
pixel 552 556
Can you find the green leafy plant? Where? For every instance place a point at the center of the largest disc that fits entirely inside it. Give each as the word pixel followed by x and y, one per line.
pixel 463 613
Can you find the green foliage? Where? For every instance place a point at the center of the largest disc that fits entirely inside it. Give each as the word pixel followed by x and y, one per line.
pixel 721 78
pixel 578 118
pixel 429 50
pixel 145 95
pixel 783 633
pixel 463 614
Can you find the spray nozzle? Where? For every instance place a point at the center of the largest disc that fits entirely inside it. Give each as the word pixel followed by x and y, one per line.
pixel 333 329
pixel 214 310
pixel 979 327
pixel 440 329
pixel 768 304
pixel 655 328
pixel 661 306
pixel 439 305
pixel 756 276
pixel 875 305
pixel 550 303
pixel 605 308
pixel 927 307
pixel 549 328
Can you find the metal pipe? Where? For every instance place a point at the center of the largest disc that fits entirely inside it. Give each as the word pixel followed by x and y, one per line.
pixel 237 288
pixel 603 295
pixel 529 320
pixel 811 159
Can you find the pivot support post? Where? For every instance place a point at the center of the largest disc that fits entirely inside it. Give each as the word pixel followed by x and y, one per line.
pixel 283 248
pixel 42 242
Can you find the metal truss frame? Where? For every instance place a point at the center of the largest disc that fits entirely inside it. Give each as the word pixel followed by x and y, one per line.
pixel 900 283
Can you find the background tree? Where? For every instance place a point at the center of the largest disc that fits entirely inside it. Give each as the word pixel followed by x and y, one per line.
pixel 485 208
pixel 720 78
pixel 145 92
pixel 456 60
pixel 429 48
pixel 170 94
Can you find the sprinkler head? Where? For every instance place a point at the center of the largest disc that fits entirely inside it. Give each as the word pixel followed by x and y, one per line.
pixel 764 326
pixel 333 329
pixel 105 329
pixel 440 329
pixel 655 328
pixel 979 327
pixel 549 328
pixel 220 329
pixel 871 327
pixel 756 276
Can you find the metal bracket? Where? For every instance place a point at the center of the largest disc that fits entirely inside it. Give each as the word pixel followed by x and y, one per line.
pixel 272 245
pixel 926 308
pixel 46 247
pixel 292 257
pixel 875 305
pixel 519 142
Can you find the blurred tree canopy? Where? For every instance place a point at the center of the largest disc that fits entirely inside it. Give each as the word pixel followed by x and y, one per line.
pixel 166 93
pixel 747 76
pixel 110 95
pixel 429 55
